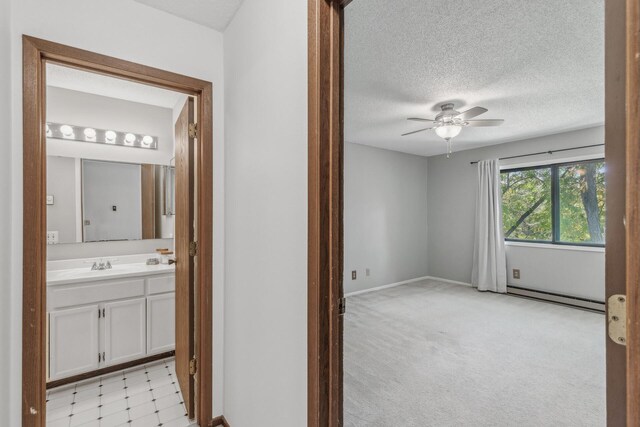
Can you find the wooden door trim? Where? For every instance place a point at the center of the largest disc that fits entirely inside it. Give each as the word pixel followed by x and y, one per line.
pixel 36 52
pixel 633 211
pixel 615 123
pixel 325 62
pixel 325 211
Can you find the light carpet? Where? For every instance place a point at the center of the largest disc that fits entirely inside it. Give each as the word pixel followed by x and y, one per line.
pixel 436 354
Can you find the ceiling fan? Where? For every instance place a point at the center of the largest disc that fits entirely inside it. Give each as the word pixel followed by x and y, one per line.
pixel 450 122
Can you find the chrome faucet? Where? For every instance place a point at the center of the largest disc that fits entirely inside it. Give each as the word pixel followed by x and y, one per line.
pixel 101 265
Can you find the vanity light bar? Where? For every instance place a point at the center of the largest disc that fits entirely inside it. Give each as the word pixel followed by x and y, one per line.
pixel 100 136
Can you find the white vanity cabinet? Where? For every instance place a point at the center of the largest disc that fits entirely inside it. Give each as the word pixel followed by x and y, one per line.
pixel 73 341
pixel 125 329
pixel 161 332
pixel 99 323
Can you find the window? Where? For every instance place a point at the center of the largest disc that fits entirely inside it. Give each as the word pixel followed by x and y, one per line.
pixel 560 204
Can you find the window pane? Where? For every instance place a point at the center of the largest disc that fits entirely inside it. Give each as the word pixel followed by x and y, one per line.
pixel 526 204
pixel 582 208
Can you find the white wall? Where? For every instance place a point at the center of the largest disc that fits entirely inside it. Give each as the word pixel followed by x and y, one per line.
pixel 451 200
pixel 61 184
pixel 266 209
pixel 6 124
pixel 123 29
pixel 101 112
pixel 572 272
pixel 385 217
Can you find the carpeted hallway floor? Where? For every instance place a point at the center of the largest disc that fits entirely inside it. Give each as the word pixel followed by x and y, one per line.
pixel 437 354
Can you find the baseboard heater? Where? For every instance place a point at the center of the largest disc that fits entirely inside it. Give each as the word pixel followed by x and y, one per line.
pixel 557 298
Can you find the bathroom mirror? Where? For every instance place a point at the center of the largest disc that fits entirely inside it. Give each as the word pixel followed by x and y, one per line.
pixel 92 200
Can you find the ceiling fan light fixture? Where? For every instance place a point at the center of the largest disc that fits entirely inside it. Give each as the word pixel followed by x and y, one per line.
pixel 448 131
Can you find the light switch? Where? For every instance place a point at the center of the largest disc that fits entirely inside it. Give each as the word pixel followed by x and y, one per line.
pixel 49 199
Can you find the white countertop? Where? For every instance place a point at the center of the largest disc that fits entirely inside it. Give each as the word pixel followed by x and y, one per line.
pixel 85 274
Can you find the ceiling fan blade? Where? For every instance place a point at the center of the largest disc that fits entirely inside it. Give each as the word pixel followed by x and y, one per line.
pixel 415 131
pixel 418 119
pixel 480 123
pixel 471 113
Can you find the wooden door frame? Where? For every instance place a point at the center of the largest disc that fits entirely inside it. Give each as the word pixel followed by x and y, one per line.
pixel 36 53
pixel 325 207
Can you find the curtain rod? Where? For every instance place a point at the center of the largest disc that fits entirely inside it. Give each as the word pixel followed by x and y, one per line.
pixel 545 152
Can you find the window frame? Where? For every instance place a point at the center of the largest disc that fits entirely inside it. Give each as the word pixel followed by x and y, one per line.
pixel 555 202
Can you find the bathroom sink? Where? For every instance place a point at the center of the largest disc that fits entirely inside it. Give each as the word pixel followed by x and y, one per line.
pixel 85 274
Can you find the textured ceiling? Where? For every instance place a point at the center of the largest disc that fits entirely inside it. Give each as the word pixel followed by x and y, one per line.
pixel 97 84
pixel 214 14
pixel 539 65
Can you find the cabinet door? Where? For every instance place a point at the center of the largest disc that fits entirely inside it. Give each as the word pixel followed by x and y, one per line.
pixel 73 341
pixel 161 322
pixel 124 331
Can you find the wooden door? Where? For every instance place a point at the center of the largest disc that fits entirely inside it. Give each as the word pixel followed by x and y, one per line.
pixel 184 238
pixel 73 341
pixel 621 131
pixel 124 331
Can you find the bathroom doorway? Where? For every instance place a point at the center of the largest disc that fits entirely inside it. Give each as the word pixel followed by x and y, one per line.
pixel 117 241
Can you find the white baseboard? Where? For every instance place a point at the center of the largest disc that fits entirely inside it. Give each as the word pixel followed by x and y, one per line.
pixel 392 285
pixel 454 282
pixel 405 282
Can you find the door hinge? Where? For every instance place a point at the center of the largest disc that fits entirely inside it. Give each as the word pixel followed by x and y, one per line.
pixel 193 366
pixel 193 248
pixel 617 318
pixel 104 313
pixel 342 306
pixel 193 130
pixel 99 357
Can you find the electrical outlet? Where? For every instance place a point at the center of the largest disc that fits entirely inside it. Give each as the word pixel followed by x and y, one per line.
pixel 516 273
pixel 368 272
pixel 52 237
pixel 353 275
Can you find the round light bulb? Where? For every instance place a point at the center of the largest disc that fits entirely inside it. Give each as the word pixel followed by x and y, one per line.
pixel 448 131
pixel 147 140
pixel 90 133
pixel 110 136
pixel 66 130
pixel 130 138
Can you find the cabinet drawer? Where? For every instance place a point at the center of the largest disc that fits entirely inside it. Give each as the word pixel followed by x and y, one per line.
pixel 79 294
pixel 161 284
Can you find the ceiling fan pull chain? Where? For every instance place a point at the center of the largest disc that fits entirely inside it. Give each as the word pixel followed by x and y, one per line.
pixel 448 147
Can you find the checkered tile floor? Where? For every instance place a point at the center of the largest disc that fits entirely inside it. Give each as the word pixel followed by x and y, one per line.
pixel 143 396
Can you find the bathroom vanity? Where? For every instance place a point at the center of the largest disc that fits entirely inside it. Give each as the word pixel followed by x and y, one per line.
pixel 102 318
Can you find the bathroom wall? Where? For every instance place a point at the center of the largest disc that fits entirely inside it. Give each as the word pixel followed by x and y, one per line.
pixel 61 184
pixel 87 109
pixel 123 29
pixel 101 112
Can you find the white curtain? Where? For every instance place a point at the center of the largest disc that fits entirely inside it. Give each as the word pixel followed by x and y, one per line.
pixel 489 259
